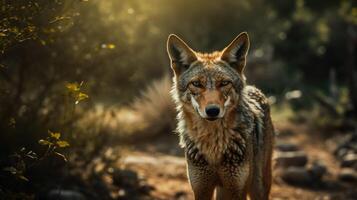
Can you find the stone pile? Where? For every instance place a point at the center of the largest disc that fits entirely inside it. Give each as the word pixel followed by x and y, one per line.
pixel 346 153
pixel 291 162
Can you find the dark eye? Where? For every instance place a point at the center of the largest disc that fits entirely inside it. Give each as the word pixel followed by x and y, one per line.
pixel 224 83
pixel 197 84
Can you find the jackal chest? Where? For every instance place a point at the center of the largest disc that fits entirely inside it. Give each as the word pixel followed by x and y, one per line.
pixel 229 150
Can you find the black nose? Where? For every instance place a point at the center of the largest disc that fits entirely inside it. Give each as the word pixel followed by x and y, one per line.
pixel 212 110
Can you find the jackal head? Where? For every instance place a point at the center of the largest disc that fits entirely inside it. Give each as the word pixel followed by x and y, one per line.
pixel 208 84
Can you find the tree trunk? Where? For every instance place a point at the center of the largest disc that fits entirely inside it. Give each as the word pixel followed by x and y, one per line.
pixel 351 65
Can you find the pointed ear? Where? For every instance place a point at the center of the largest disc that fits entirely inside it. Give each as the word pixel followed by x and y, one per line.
pixel 235 53
pixel 181 55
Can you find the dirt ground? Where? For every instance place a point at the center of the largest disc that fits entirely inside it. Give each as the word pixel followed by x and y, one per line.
pixel 160 163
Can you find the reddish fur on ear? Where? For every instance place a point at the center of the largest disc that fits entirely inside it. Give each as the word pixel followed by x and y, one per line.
pixel 235 53
pixel 181 55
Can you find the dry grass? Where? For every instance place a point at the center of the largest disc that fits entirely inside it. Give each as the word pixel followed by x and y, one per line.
pixel 156 107
pixel 150 114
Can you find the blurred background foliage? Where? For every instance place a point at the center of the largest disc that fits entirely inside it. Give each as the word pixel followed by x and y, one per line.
pixel 302 52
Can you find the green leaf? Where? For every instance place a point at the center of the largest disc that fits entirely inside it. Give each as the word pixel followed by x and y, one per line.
pixel 72 87
pixel 12 170
pixel 23 178
pixel 81 96
pixel 61 155
pixel 55 135
pixel 12 122
pixel 62 143
pixel 111 46
pixel 108 46
pixel 44 142
pixel 43 42
pixel 32 156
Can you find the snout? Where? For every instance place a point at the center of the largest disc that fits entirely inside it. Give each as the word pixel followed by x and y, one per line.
pixel 212 111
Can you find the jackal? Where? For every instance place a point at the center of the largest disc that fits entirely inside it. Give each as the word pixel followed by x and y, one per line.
pixel 224 125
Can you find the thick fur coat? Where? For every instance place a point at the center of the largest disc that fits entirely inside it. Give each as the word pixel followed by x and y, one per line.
pixel 224 125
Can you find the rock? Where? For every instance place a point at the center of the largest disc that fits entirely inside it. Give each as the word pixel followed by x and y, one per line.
pixel 341 152
pixel 297 176
pixel 285 147
pixel 125 178
pixel 349 160
pixel 58 194
pixel 349 145
pixel 317 170
pixel 348 175
pixel 288 159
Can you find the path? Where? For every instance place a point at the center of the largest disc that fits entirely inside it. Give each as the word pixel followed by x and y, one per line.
pixel 161 164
